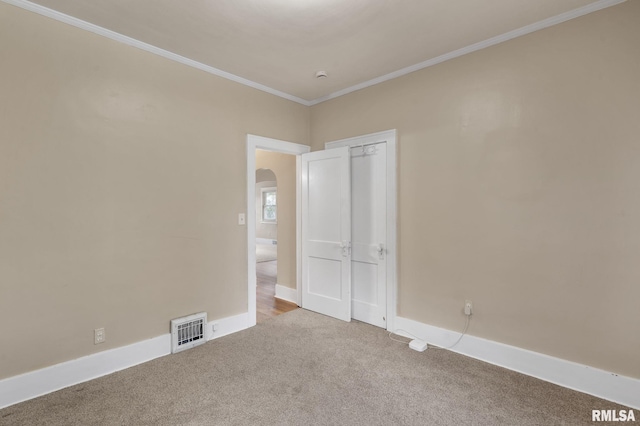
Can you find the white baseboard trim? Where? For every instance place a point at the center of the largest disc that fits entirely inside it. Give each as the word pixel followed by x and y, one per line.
pixel 50 379
pixel 610 386
pixel 228 325
pixel 266 241
pixel 286 293
pixel 46 380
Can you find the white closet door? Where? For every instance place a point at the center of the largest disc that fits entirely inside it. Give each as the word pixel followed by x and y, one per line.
pixel 369 233
pixel 326 232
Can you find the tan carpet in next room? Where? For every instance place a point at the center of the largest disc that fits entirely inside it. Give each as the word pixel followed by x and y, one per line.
pixel 302 368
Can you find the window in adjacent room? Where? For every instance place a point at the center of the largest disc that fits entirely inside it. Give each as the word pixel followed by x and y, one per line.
pixel 269 205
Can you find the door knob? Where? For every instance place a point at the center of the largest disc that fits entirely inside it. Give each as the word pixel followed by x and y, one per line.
pixel 346 248
pixel 380 251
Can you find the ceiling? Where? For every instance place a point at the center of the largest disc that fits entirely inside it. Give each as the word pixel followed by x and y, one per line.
pixel 280 44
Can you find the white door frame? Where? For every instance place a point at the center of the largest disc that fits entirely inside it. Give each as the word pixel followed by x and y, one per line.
pixel 389 137
pixel 258 142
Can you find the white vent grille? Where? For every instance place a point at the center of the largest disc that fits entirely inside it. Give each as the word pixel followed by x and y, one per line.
pixel 187 332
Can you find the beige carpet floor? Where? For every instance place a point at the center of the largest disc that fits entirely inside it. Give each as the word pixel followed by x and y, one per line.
pixel 302 368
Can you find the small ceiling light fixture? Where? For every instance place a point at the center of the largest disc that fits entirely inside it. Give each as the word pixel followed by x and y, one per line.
pixel 321 74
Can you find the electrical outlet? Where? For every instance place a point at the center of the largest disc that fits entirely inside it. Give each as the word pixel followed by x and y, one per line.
pixel 99 336
pixel 468 307
pixel 241 219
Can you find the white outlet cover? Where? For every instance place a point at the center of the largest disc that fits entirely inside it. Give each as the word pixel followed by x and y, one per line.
pixel 241 219
pixel 99 336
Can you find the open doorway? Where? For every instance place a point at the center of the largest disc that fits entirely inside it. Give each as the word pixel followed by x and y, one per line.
pixel 275 208
pixel 266 213
pixel 282 276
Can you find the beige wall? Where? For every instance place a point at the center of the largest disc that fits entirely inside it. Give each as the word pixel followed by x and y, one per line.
pixel 121 177
pixel 519 171
pixel 284 167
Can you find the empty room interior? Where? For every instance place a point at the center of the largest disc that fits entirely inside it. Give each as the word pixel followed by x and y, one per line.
pixel 461 176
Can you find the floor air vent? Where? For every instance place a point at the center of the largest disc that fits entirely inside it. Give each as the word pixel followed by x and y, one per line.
pixel 187 332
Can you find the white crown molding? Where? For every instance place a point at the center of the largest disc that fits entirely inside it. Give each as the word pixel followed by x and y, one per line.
pixel 50 379
pixel 554 20
pixel 582 378
pixel 79 23
pixel 545 23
